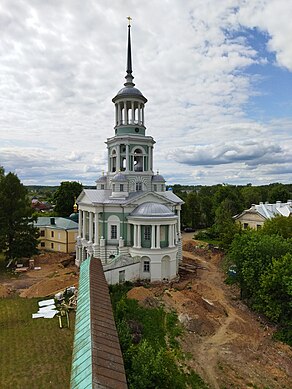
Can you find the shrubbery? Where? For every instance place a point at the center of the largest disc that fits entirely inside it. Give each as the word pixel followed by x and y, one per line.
pixel 148 338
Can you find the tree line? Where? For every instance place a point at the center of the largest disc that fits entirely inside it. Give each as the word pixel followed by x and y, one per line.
pixel 262 261
pixel 205 205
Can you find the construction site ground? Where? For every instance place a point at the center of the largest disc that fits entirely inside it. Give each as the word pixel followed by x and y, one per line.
pixel 57 271
pixel 228 345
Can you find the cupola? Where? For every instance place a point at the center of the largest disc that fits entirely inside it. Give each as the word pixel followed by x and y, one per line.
pixel 129 102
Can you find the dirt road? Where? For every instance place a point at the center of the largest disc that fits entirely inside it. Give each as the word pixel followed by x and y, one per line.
pixel 236 349
pixel 230 346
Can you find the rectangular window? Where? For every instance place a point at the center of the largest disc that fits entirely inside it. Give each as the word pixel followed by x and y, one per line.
pixel 146 266
pixel 102 186
pixel 155 188
pixel 43 244
pixel 121 187
pixel 245 225
pixel 52 245
pixel 52 234
pixel 42 232
pixel 147 232
pixel 259 226
pixel 114 231
pixel 138 186
pixel 122 276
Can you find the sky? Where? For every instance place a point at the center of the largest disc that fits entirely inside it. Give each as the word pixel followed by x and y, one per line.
pixel 217 75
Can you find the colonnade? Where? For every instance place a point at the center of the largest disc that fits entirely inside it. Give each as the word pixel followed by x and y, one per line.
pixel 129 112
pixel 155 235
pixel 85 226
pixel 115 159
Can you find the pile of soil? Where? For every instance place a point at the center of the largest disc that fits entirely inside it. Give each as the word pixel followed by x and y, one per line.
pixel 140 293
pixel 56 272
pixel 50 286
pixel 4 291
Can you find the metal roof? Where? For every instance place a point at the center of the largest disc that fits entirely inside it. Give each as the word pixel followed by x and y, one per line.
pixel 96 196
pixel 58 223
pixel 119 177
pixel 152 210
pixel 158 178
pixel 97 359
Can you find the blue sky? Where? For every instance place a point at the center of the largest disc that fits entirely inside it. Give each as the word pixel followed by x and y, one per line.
pixel 217 76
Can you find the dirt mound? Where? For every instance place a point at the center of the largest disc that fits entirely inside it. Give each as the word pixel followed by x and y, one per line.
pixel 4 291
pixel 49 286
pixel 50 258
pixel 140 293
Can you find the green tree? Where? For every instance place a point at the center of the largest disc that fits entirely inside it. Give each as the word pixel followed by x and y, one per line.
pixel 278 192
pixel 276 290
pixel 252 253
pixel 193 210
pixel 18 236
pixel 279 225
pixel 64 197
pixel 225 227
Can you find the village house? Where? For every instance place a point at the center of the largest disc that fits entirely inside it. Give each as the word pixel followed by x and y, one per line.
pixel 257 214
pixel 57 234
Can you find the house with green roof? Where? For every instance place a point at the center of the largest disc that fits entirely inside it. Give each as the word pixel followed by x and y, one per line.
pixel 57 234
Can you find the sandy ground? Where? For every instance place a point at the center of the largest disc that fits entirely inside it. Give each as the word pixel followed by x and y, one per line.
pixel 51 278
pixel 231 346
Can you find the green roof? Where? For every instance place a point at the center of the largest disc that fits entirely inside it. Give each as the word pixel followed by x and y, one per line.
pixel 58 223
pixel 81 374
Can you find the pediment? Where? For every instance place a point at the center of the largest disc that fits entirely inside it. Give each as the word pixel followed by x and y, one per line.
pixel 151 198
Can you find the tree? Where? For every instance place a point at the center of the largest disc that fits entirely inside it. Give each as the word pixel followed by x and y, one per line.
pixel 225 227
pixel 278 192
pixel 18 236
pixel 252 253
pixel 276 290
pixel 65 196
pixel 279 225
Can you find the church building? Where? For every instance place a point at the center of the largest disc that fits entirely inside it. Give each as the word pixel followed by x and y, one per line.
pixel 130 221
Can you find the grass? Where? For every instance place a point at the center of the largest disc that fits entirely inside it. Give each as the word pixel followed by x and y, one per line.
pixel 149 342
pixel 34 353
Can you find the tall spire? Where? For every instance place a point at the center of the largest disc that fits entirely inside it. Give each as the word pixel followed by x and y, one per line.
pixel 129 78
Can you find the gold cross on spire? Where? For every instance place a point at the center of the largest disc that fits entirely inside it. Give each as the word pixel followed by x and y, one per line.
pixel 129 19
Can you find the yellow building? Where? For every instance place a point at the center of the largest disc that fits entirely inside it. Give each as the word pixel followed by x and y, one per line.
pixel 57 234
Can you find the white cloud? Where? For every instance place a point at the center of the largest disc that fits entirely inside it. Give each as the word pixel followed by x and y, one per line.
pixel 61 64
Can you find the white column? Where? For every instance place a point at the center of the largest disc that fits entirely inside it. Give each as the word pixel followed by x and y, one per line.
pixel 139 113
pixel 96 231
pixel 126 113
pixel 119 114
pixel 133 112
pixel 158 236
pixel 153 236
pixel 169 236
pixel 90 227
pixel 151 157
pixel 83 224
pixel 139 236
pixel 117 110
pixel 135 235
pixel 118 159
pixel 127 158
pixel 143 114
pixel 175 233
pixel 80 223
